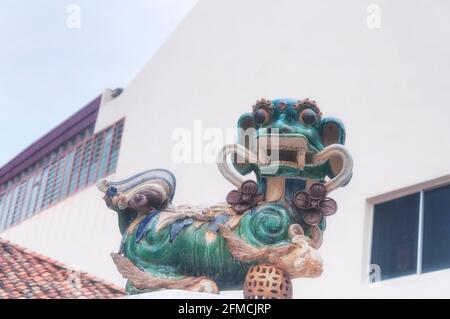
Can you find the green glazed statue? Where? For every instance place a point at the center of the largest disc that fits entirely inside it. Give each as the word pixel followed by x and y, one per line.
pixel 266 233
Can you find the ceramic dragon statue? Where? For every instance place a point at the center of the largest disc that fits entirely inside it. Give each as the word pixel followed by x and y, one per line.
pixel 266 233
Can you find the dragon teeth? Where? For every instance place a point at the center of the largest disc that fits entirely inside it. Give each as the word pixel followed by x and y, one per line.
pixel 301 158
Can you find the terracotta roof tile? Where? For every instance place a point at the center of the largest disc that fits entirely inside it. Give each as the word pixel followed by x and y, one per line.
pixel 27 274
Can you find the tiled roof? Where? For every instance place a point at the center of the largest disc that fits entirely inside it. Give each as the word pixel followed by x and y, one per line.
pixel 26 274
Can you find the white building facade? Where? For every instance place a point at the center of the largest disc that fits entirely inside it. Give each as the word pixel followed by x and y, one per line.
pixel 386 80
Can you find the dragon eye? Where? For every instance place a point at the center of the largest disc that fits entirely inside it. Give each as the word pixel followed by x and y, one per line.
pixel 308 117
pixel 261 116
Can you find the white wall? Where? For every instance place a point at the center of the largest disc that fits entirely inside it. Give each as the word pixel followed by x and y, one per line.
pixel 388 85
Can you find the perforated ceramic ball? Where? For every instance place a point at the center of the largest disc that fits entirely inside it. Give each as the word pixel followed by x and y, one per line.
pixel 266 281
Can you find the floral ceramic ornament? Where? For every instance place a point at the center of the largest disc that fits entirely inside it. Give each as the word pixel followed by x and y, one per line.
pixel 314 205
pixel 245 198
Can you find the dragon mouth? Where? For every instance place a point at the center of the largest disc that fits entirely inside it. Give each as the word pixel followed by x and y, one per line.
pixel 343 162
pixel 292 151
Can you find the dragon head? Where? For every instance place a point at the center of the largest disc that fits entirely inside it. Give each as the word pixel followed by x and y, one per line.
pixel 285 135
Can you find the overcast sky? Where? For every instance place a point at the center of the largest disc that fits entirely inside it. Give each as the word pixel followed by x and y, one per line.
pixel 49 68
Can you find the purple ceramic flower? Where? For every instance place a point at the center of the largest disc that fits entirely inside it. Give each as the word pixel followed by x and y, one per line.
pixel 315 205
pixel 245 198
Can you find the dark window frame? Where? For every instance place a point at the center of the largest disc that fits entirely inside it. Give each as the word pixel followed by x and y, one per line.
pixel 421 189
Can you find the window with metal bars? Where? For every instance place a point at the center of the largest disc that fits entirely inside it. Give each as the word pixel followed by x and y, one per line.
pixel 106 153
pixel 56 192
pixel 49 185
pixel 118 130
pixel 10 209
pixel 5 208
pixel 98 146
pixel 75 169
pixel 18 205
pixel 32 195
pixel 2 204
pixel 85 164
pixel 63 174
